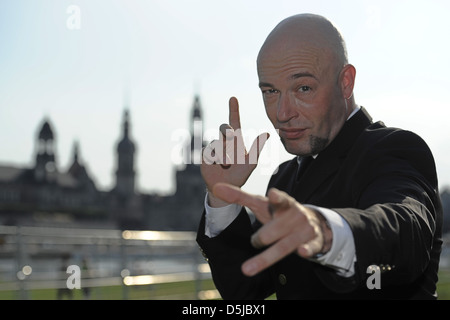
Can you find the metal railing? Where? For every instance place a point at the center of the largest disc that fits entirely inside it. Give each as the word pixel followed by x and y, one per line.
pixel 35 258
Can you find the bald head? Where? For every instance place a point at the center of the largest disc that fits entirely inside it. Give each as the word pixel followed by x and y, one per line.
pixel 304 31
pixel 306 81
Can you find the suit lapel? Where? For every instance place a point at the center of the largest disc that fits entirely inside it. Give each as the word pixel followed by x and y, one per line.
pixel 317 173
pixel 330 160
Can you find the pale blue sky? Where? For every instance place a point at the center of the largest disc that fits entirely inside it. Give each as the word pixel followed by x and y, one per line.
pixel 164 52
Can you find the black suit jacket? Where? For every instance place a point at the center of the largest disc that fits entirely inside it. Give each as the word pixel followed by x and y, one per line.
pixel 383 182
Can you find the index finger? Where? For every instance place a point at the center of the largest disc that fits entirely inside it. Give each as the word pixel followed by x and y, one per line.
pixel 234 118
pixel 232 194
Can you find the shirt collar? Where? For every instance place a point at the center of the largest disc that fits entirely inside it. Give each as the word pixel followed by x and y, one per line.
pixel 353 112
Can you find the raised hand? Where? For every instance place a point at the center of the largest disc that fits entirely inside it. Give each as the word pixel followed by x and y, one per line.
pixel 227 160
pixel 287 227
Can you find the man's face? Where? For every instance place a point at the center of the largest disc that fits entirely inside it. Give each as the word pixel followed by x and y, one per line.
pixel 302 96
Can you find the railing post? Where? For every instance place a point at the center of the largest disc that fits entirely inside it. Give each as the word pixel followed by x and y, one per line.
pixel 20 263
pixel 197 272
pixel 123 266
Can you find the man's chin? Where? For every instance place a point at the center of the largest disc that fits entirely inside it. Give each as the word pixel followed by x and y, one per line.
pixel 296 147
pixel 313 145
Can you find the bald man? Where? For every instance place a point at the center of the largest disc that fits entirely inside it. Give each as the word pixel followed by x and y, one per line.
pixel 355 214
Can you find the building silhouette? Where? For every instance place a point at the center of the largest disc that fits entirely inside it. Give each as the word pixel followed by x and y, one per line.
pixel 43 195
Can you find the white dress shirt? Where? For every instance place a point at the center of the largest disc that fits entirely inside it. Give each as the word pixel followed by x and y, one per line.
pixel 341 256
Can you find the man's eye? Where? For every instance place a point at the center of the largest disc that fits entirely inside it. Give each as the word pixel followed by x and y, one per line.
pixel 269 92
pixel 304 89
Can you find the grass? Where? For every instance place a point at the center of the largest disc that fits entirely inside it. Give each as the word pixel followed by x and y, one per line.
pixel 443 287
pixel 168 291
pixel 172 291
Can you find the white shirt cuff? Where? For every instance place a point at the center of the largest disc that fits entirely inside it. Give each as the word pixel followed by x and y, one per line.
pixel 342 255
pixel 218 219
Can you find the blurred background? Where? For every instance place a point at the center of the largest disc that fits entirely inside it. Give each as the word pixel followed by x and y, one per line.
pixel 104 106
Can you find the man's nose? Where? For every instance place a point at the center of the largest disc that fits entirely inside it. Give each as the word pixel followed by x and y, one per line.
pixel 286 108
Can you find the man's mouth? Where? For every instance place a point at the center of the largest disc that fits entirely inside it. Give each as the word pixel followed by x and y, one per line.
pixel 291 133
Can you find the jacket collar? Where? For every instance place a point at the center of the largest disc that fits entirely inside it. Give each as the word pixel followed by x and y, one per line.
pixel 331 158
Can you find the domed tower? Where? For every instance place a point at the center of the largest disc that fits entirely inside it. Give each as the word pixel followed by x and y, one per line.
pixel 45 164
pixel 125 174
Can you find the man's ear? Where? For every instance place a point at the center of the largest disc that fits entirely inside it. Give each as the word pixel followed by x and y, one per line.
pixel 347 80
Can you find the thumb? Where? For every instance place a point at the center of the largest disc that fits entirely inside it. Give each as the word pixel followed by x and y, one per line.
pixel 256 148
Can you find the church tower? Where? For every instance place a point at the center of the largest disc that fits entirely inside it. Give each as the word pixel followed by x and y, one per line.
pixel 45 164
pixel 78 171
pixel 190 188
pixel 125 173
pixel 196 131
